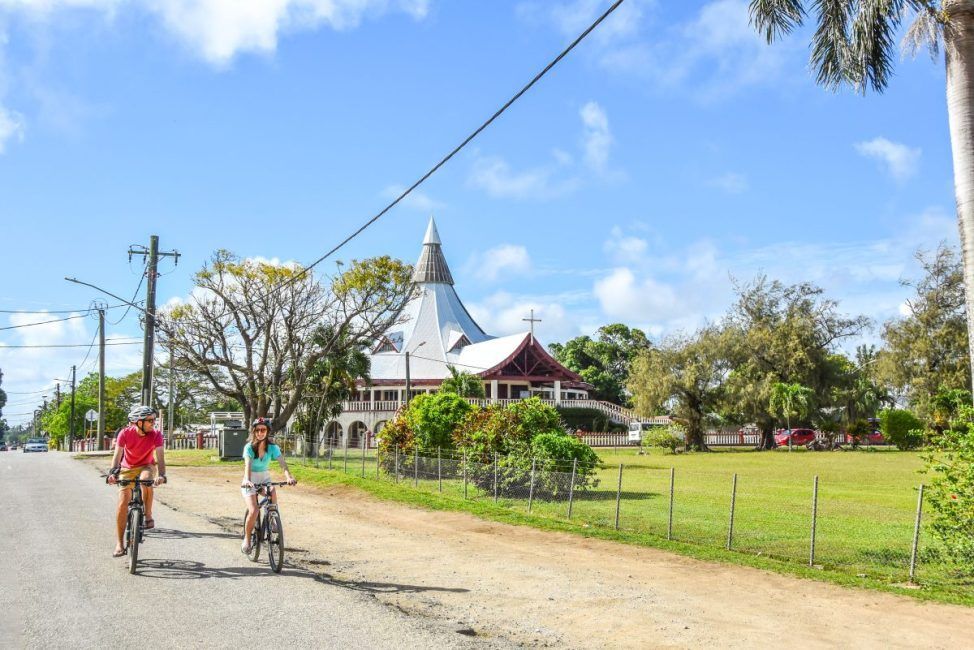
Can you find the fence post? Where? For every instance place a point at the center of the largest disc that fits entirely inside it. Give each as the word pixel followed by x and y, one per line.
pixel 397 464
pixel 416 466
pixel 363 455
pixel 531 489
pixel 571 488
pixel 495 477
pixel 378 464
pixel 618 496
pixel 669 525
pixel 730 529
pixel 345 466
pixel 811 552
pixel 464 474
pixel 916 537
pixel 331 455
pixel 439 467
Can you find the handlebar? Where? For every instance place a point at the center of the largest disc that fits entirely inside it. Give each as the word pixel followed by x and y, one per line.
pixel 135 481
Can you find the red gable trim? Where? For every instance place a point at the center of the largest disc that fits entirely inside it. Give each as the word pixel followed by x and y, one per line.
pixel 532 343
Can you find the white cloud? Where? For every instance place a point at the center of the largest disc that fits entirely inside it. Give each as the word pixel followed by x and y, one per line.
pixel 11 127
pixel 731 182
pixel 219 30
pixel 503 313
pixel 713 55
pixel 559 178
pixel 597 138
pixel 416 200
pixel 495 176
pixel 623 297
pixel 901 161
pixel 624 248
pixel 503 260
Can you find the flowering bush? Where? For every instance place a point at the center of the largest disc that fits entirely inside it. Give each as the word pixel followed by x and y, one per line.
pixel 951 494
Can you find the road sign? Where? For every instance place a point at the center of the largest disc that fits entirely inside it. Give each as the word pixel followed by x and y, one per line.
pixel 91 415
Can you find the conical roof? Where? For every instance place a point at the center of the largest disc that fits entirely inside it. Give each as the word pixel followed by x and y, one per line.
pixel 432 266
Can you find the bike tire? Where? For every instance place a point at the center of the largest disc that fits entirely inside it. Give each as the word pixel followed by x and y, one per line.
pixel 275 541
pixel 135 536
pixel 255 536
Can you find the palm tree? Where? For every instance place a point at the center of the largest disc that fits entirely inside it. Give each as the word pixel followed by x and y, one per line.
pixel 854 45
pixel 788 399
pixel 463 384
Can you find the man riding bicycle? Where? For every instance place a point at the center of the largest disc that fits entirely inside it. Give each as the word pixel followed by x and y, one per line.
pixel 139 450
pixel 258 453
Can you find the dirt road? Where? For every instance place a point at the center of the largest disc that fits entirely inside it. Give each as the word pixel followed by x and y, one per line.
pixel 540 588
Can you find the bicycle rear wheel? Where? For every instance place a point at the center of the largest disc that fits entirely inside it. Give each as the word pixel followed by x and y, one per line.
pixel 255 536
pixel 275 540
pixel 135 536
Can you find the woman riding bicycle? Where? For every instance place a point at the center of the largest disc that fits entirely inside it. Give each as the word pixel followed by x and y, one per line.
pixel 258 453
pixel 139 450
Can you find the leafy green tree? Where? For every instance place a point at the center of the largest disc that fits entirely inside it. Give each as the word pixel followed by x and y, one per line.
pixel 463 383
pixel 926 351
pixel 854 44
pixel 781 333
pixel 250 328
pixel 685 376
pixel 901 428
pixel 604 361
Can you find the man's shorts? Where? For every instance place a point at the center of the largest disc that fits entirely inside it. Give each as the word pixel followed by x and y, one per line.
pixel 130 473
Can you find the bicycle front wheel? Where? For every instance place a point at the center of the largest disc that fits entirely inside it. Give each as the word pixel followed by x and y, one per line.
pixel 275 541
pixel 135 536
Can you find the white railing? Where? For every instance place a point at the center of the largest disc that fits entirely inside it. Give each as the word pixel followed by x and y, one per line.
pixel 616 413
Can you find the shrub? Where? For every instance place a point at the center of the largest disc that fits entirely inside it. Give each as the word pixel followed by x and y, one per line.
pixel 858 430
pixel 901 428
pixel 588 419
pixel 514 436
pixel 951 494
pixel 672 438
pixel 434 418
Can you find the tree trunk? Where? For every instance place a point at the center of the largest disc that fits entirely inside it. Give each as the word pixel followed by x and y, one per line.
pixel 959 50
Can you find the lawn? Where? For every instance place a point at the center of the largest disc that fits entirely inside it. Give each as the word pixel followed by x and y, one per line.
pixel 865 510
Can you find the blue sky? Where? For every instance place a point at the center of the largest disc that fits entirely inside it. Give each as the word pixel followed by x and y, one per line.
pixel 671 152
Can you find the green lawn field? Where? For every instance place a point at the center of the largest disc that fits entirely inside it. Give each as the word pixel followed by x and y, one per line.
pixel 865 511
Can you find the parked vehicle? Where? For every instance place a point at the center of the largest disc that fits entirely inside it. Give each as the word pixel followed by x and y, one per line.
pixel 637 430
pixel 35 444
pixel 3 446
pixel 798 437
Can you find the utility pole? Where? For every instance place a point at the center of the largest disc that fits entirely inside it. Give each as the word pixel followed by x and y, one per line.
pixel 71 421
pixel 57 394
pixel 101 380
pixel 408 384
pixel 171 398
pixel 150 310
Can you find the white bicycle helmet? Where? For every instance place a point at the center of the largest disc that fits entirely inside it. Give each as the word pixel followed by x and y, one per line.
pixel 141 412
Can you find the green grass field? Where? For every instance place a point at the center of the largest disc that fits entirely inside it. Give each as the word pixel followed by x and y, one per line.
pixel 865 511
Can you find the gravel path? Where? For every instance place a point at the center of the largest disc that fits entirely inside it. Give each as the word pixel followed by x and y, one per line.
pixel 60 587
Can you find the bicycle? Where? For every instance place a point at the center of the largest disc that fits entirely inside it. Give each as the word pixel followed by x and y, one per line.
pixel 268 527
pixel 134 520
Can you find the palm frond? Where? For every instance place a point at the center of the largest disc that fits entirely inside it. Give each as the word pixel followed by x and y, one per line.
pixel 874 44
pixel 831 46
pixel 925 32
pixel 775 18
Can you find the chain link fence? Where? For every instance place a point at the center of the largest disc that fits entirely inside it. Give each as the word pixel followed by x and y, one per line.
pixel 811 522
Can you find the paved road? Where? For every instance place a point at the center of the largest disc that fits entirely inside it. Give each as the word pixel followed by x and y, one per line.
pixel 60 587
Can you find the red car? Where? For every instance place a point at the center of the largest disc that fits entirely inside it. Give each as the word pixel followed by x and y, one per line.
pixel 799 437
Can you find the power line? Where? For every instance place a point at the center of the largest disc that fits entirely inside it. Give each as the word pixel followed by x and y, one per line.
pixel 31 392
pixel 456 150
pixel 134 295
pixel 90 346
pixel 447 363
pixel 43 322
pixel 70 345
pixel 50 311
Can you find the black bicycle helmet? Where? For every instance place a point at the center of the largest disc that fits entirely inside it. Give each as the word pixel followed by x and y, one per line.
pixel 265 421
